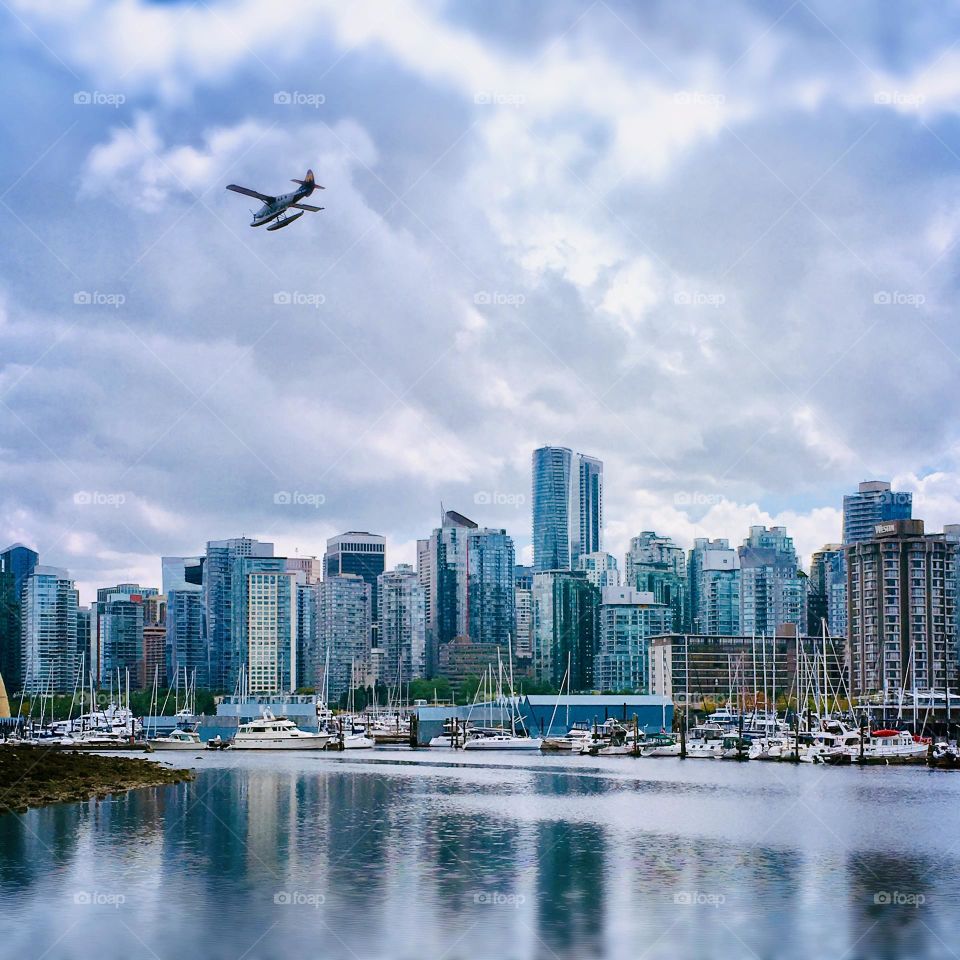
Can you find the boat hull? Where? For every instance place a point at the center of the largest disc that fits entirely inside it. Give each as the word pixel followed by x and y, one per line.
pixel 294 743
pixel 521 743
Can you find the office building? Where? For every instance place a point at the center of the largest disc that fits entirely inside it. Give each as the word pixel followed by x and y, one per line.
pixel 120 641
pixel 565 627
pixel 49 608
pixel 627 618
pixel 363 554
pixel 155 639
pixel 873 503
pixel 827 597
pixel 403 626
pixel 586 507
pixel 901 610
pixel 713 573
pixel 773 589
pixel 186 649
pixel 489 613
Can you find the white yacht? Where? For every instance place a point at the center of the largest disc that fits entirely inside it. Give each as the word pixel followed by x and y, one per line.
pixel 177 740
pixel 270 733
pixel 503 741
pixel 705 742
pixel 572 742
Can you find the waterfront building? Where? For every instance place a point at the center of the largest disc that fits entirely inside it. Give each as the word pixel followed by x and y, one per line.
pixel 523 605
pixel 462 658
pixel 873 503
pixel 442 568
pixel 567 507
pixel 565 627
pixel 901 610
pixel 344 634
pixel 773 589
pixel 713 573
pixel 601 569
pixel 86 641
pixel 49 606
pixel 17 563
pixel 628 618
pixel 186 649
pixel 224 647
pixel 714 669
pixel 120 622
pixel 951 532
pixel 308 599
pixel 657 565
pixel 402 619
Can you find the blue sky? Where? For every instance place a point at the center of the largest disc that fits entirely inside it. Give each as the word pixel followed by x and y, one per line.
pixel 714 246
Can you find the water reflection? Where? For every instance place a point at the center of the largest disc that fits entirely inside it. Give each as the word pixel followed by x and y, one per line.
pixel 269 857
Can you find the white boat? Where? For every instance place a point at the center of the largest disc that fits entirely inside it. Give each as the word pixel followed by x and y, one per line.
pixel 660 745
pixel 706 742
pixel 503 741
pixel 177 740
pixel 571 743
pixel 271 733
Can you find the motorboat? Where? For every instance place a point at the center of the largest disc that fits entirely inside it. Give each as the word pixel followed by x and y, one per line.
pixel 178 739
pixel 705 742
pixel 218 743
pixel 272 733
pixel 660 745
pixel 610 740
pixel 570 743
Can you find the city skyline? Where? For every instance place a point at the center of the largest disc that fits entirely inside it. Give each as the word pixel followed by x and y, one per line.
pixel 580 302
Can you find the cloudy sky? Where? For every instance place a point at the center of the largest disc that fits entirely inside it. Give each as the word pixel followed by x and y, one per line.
pixel 715 247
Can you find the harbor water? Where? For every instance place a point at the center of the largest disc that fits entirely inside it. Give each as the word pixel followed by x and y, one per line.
pixel 434 854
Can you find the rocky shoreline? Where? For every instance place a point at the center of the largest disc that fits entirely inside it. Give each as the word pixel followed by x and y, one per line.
pixel 35 777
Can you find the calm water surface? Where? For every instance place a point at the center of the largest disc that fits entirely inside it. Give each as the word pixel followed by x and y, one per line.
pixel 438 855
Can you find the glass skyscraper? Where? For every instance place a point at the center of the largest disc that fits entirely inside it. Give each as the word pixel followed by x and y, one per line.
pixel 628 618
pixel 565 627
pixel 343 622
pixel 657 565
pixel 714 576
pixel 567 507
pixel 773 590
pixel 402 625
pixel 489 614
pixel 17 562
pixel 49 605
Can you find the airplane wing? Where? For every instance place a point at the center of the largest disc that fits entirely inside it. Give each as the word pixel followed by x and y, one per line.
pixel 306 206
pixel 246 191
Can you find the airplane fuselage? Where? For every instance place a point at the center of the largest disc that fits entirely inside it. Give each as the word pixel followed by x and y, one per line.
pixel 279 205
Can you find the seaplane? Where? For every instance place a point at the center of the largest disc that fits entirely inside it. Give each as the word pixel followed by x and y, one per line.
pixel 275 209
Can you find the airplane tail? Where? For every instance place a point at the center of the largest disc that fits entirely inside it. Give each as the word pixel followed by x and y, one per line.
pixel 308 181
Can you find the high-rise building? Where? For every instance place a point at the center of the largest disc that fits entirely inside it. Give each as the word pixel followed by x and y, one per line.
pixel 586 507
pixel 773 589
pixel 628 619
pixel 308 569
pixel 523 637
pixel 565 627
pixel 601 569
pixel 551 508
pixel 343 622
pixel 363 554
pixel 218 595
pixel 902 610
pixel 655 564
pixel 120 623
pixel 827 597
pixel 155 638
pixel 714 577
pixel 441 568
pixel 86 641
pixel 488 615
pixel 402 619
pixel 186 649
pixel 567 507
pixel 873 503
pixel 49 606
pixel 177 571
pixel 308 602
pixel 265 621
pixel 17 563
